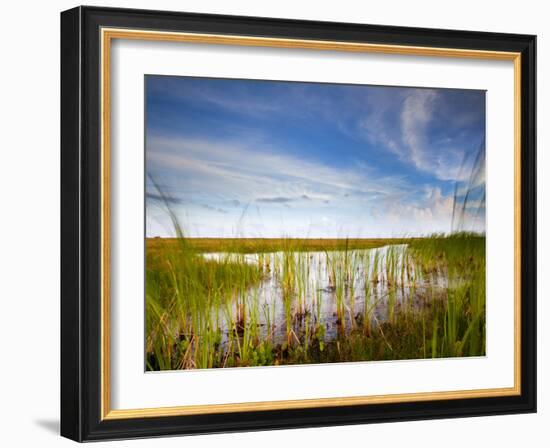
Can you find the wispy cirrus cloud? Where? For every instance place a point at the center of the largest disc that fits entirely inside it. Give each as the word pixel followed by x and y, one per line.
pixel 248 167
pixel 410 125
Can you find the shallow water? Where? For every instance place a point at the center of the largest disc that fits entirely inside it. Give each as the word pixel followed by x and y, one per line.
pixel 302 289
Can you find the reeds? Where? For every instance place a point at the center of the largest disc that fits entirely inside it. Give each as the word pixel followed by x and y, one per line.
pixel 424 297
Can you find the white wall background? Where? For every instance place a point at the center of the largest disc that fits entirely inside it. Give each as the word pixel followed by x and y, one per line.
pixel 29 220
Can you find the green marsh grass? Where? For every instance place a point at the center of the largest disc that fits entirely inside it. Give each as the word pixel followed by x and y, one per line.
pixel 417 298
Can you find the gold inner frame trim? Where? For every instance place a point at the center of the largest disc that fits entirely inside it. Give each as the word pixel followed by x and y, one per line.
pixel 107 35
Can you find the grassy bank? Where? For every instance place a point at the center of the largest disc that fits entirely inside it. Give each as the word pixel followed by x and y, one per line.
pixel 263 245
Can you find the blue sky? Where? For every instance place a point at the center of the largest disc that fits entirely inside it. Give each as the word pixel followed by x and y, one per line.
pixel 245 158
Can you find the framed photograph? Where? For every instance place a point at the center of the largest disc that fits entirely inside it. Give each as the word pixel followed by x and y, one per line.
pixel 276 224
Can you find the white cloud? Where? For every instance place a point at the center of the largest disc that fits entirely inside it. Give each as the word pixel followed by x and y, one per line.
pixel 253 170
pixel 416 115
pixel 403 127
pixel 430 214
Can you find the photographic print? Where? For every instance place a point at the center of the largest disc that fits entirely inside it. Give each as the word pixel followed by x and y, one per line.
pixel 300 208
pixel 302 223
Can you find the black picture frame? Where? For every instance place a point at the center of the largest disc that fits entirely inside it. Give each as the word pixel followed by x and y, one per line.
pixel 81 224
